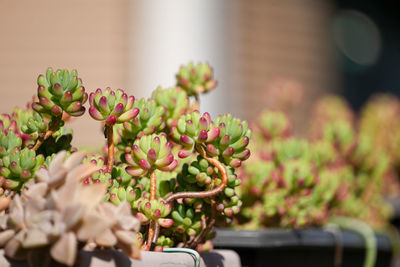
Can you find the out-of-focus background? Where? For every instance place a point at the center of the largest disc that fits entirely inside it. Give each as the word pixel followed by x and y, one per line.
pixel 312 46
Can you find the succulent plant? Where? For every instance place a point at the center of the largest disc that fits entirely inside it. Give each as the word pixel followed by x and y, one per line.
pixel 30 124
pixel 8 141
pixel 54 215
pixel 327 110
pixel 174 101
pixel 301 183
pixel 231 143
pixel 165 242
pixel 112 106
pixel 150 152
pixel 193 129
pixel 18 167
pixel 342 135
pixel 196 79
pixel 273 124
pixel 60 91
pixel 158 159
pixel 154 210
pixel 186 220
pixel 148 121
pixel 8 124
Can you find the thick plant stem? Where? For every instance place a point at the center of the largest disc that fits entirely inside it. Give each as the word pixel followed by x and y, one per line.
pixel 155 237
pixel 153 185
pixel 110 146
pixel 150 234
pixel 55 125
pixel 152 227
pixel 204 194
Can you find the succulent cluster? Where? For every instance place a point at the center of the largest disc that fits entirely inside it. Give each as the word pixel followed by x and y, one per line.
pixel 112 106
pixel 148 121
pixel 164 163
pixel 192 129
pixel 19 160
pixel 273 124
pixel 175 102
pixel 340 170
pixel 287 189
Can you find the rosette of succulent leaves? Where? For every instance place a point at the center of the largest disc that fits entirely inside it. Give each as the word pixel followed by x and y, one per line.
pixel 55 216
pixel 297 183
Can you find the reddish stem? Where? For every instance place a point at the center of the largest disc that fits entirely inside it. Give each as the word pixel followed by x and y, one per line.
pixel 53 128
pixel 204 194
pixel 153 185
pixel 110 145
pixel 153 225
pixel 156 234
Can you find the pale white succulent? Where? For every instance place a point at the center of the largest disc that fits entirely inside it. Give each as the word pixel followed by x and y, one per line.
pixel 55 215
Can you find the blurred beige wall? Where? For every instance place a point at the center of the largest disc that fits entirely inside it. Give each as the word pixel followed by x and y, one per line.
pixel 283 40
pixel 90 36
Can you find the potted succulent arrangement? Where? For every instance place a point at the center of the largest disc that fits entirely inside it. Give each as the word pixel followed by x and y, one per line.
pixel 166 175
pixel 303 191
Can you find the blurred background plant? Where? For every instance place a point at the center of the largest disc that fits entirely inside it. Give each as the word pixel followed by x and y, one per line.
pixel 346 167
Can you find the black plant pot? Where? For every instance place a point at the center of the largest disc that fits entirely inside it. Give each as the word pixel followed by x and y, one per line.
pixel 395 202
pixel 298 248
